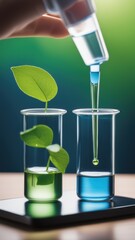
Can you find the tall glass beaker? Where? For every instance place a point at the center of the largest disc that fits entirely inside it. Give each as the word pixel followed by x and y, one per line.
pixel 95 177
pixel 42 183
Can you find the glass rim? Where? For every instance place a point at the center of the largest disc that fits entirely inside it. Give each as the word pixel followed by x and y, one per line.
pixel 95 111
pixel 42 112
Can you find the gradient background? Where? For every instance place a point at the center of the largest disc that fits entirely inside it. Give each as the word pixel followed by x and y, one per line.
pixel 61 59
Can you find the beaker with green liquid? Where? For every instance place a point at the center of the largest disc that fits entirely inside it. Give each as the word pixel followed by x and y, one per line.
pixel 41 183
pixel 95 153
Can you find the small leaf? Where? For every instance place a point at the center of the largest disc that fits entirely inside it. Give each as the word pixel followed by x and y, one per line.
pixel 60 159
pixel 35 82
pixel 39 136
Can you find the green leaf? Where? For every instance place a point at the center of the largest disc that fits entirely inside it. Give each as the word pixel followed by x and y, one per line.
pixel 39 136
pixel 60 159
pixel 35 82
pixel 45 179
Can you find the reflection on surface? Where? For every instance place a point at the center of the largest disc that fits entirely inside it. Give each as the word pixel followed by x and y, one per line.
pixel 111 230
pixel 42 210
pixel 85 206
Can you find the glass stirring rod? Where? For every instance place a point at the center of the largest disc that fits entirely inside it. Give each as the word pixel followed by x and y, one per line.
pixel 94 86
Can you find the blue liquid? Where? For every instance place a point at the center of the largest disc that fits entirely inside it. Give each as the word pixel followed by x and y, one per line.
pixel 95 186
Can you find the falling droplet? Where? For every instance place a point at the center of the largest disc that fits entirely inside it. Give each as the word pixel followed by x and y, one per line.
pixel 95 161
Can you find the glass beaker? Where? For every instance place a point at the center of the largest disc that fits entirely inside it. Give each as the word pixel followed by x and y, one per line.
pixel 39 184
pixel 95 134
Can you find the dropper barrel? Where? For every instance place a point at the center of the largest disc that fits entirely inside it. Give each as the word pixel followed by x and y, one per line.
pixel 80 20
pixel 69 6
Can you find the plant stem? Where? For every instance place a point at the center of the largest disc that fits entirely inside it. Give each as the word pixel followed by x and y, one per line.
pixel 46 106
pixel 48 163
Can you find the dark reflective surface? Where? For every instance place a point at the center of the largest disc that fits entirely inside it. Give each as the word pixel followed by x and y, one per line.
pixel 68 210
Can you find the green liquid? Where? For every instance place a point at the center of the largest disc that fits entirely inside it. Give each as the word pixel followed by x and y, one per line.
pixel 41 185
pixel 94 86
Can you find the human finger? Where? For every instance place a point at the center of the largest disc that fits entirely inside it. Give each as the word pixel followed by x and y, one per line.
pixel 46 25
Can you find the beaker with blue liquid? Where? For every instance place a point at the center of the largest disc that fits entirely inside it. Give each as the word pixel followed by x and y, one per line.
pixel 96 174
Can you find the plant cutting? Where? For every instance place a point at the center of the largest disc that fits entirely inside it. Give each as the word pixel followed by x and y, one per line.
pixel 43 181
pixel 41 136
pixel 35 82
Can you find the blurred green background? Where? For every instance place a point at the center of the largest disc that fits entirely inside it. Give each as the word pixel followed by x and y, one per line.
pixel 62 60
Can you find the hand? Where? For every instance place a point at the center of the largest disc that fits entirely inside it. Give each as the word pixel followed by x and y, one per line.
pixel 20 18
